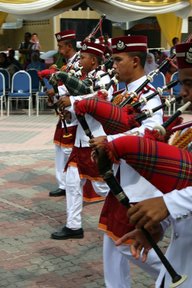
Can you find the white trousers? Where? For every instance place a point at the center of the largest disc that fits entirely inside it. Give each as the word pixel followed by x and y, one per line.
pixel 74 196
pixel 116 264
pixel 61 157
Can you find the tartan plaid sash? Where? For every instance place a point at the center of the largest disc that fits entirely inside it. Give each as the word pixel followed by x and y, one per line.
pixel 165 166
pixel 114 119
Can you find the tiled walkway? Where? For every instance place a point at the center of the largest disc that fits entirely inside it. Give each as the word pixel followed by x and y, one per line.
pixel 29 258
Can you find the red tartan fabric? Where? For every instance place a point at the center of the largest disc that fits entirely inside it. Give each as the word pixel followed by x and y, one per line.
pixel 60 136
pixel 165 166
pixel 113 118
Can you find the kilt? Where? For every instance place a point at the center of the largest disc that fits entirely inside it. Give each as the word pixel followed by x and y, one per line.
pixel 114 220
pixel 59 136
pixel 81 158
pixel 89 194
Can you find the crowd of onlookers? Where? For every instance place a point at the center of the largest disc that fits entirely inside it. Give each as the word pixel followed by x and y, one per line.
pixel 29 55
pixel 155 57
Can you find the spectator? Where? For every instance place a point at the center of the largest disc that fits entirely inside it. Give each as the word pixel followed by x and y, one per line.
pixel 25 49
pixel 36 62
pixel 175 41
pixel 3 60
pixel 150 63
pixel 172 68
pixel 35 41
pixel 14 64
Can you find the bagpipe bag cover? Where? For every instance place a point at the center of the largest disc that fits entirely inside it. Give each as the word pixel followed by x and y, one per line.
pixel 113 118
pixel 166 167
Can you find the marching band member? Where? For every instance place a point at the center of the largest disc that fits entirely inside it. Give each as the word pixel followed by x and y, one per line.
pixel 129 55
pixel 80 167
pixel 63 145
pixel 177 204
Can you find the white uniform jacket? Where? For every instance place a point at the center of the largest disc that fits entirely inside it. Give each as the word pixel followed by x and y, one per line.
pixel 179 252
pixel 134 185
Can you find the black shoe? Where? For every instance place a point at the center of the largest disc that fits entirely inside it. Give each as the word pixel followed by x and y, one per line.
pixel 56 193
pixel 67 233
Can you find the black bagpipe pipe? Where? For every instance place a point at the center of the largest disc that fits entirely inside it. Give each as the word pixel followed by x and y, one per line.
pixel 159 91
pixel 149 113
pixel 106 67
pixel 149 79
pixel 96 28
pixel 104 166
pixel 74 60
pixel 162 128
pixel 107 86
pixel 76 72
pixel 115 119
pixel 163 132
pixel 109 72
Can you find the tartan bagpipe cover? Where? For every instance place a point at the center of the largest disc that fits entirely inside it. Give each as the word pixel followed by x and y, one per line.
pixel 166 167
pixel 74 85
pixel 113 118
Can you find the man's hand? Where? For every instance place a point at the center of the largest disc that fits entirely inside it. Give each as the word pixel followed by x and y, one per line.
pixel 140 247
pixel 63 102
pixel 50 94
pixel 97 142
pixel 148 213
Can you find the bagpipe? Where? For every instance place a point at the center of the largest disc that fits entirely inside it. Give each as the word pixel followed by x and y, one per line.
pixel 76 86
pixel 149 79
pixel 165 166
pixel 110 154
pixel 116 119
pixel 127 115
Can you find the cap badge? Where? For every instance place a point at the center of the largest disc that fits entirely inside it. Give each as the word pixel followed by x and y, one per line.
pixel 120 45
pixel 58 37
pixel 84 47
pixel 188 56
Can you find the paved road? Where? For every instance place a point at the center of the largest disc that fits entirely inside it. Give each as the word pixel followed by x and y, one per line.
pixel 29 258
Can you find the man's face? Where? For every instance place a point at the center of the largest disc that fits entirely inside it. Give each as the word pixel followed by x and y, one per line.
pixel 123 65
pixel 86 61
pixel 63 48
pixel 27 38
pixel 185 77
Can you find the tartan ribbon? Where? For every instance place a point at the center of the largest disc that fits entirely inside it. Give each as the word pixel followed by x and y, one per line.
pixel 166 167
